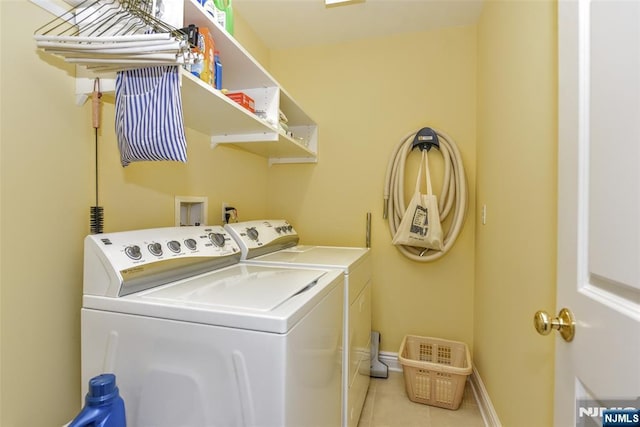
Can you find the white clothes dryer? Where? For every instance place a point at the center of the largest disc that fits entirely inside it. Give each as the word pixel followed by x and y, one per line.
pixel 197 339
pixel 275 243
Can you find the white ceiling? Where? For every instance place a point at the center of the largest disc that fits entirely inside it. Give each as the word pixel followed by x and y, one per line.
pixel 285 24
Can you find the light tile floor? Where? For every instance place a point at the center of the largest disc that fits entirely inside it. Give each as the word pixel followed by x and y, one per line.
pixel 387 405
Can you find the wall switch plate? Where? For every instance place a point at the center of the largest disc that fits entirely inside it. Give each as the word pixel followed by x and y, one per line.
pixel 190 210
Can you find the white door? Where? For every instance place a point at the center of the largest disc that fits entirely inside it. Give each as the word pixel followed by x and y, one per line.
pixel 599 210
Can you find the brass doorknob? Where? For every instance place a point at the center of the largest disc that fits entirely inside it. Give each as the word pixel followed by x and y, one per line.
pixel 564 323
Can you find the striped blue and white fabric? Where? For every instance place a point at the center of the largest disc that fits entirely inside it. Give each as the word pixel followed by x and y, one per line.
pixel 149 124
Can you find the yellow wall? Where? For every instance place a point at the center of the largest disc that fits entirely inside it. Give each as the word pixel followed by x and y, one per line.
pixel 366 96
pixel 46 164
pixel 516 249
pixel 491 87
pixel 1 182
pixel 47 186
pixel 250 41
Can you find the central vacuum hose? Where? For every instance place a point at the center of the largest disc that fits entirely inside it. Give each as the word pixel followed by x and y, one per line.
pixel 452 197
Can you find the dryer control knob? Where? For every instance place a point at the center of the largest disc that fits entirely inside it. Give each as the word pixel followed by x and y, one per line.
pixel 155 248
pixel 252 233
pixel 174 245
pixel 217 239
pixel 133 252
pixel 191 244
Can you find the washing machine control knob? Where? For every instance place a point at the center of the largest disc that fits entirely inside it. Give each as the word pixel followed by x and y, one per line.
pixel 133 252
pixel 217 239
pixel 252 233
pixel 155 248
pixel 191 244
pixel 174 246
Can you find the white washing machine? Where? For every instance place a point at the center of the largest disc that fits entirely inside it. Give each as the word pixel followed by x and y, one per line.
pixel 197 339
pixel 275 242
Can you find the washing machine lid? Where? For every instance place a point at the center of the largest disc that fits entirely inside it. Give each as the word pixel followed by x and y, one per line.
pixel 344 258
pixel 243 288
pixel 261 298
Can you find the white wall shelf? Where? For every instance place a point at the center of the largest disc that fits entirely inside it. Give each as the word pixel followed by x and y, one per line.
pixel 209 111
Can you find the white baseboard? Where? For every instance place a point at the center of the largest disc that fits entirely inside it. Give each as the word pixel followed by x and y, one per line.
pixel 391 360
pixel 487 411
pixel 484 402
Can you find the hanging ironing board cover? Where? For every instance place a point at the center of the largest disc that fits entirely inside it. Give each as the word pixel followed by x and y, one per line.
pixel 149 124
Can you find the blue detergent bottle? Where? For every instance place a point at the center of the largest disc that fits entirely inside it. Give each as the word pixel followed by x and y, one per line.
pixel 103 405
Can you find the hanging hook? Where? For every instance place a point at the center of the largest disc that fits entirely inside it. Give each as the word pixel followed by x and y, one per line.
pixel 425 139
pixel 95 103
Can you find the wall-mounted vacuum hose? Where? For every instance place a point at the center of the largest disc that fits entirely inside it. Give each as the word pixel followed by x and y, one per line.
pixel 452 198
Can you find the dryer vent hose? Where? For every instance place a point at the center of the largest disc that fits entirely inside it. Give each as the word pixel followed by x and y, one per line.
pixel 452 199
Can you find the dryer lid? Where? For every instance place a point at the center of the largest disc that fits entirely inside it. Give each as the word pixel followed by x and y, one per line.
pixel 344 258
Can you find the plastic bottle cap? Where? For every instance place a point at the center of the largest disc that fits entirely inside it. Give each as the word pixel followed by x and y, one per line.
pixel 102 389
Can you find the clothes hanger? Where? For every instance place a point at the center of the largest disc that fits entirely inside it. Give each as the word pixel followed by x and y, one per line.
pixel 114 35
